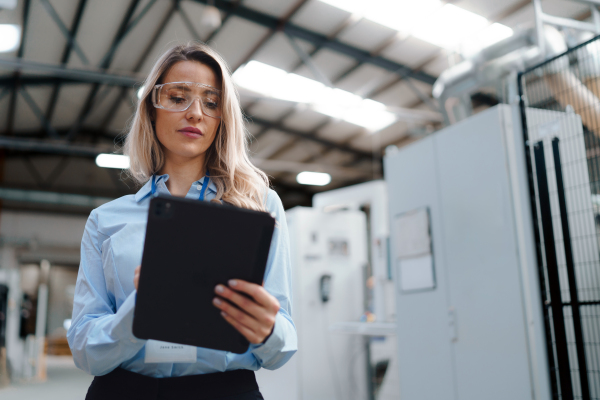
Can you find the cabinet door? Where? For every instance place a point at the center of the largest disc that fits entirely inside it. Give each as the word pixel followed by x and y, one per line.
pixel 424 347
pixel 482 261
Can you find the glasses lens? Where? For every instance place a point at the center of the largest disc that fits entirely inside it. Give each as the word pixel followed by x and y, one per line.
pixel 179 96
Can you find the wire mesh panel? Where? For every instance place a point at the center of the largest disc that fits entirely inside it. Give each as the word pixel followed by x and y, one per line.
pixel 560 104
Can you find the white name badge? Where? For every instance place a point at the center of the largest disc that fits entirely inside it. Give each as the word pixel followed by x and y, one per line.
pixel 159 352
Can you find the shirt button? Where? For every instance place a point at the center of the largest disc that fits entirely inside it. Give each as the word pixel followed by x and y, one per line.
pixel 198 187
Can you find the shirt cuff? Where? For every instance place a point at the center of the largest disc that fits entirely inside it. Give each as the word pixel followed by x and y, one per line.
pixel 123 324
pixel 274 342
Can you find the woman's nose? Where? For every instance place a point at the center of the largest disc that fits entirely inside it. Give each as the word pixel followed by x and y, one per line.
pixel 195 109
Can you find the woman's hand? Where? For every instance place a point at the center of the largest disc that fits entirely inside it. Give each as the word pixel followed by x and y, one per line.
pixel 136 276
pixel 253 317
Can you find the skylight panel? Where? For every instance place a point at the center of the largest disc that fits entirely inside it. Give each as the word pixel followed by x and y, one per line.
pixel 449 26
pixel 352 6
pixel 299 89
pixel 273 82
pixel 371 115
pixel 260 78
pixel 444 25
pixel 401 15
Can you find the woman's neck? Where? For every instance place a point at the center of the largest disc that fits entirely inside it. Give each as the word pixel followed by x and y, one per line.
pixel 182 173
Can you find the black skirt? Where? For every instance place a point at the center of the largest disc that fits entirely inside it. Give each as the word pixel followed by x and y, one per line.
pixel 121 384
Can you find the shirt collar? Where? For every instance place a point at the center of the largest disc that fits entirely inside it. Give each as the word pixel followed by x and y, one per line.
pixel 146 190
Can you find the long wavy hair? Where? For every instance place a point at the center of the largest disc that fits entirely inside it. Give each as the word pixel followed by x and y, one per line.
pixel 238 181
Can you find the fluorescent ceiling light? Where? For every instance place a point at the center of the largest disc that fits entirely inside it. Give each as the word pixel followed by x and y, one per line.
pixel 429 20
pixel 112 161
pixel 313 178
pixel 140 92
pixel 10 37
pixel 269 81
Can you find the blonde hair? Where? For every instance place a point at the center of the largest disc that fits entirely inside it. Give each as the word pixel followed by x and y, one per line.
pixel 238 181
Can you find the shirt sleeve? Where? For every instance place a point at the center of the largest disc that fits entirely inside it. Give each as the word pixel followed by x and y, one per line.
pixel 100 336
pixel 283 341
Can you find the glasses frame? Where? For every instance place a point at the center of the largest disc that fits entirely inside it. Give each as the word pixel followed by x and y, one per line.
pixel 156 88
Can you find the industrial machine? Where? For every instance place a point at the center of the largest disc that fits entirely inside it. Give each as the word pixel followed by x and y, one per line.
pixel 329 258
pixel 470 322
pixel 379 329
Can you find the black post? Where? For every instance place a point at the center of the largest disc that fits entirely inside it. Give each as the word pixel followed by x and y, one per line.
pixel 564 219
pixel 558 321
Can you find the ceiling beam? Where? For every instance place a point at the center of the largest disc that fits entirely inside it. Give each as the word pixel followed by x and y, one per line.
pixel 37 196
pixel 65 56
pixel 52 147
pixel 12 108
pixel 52 72
pixel 140 62
pixel 319 40
pixel 104 64
pixel 85 76
pixel 311 137
pixel 297 167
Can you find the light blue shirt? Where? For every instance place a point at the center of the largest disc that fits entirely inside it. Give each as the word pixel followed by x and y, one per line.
pixel 100 335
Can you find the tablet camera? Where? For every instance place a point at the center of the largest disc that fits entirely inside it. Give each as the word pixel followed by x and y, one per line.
pixel 163 209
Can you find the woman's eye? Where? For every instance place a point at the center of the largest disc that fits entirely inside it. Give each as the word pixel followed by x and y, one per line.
pixel 211 104
pixel 176 100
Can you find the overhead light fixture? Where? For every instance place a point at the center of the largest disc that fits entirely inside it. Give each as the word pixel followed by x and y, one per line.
pixel 140 92
pixel 274 82
pixel 444 25
pixel 118 161
pixel 10 37
pixel 313 178
pixel 211 16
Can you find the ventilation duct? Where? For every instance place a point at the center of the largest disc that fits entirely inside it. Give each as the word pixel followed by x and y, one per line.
pixel 490 66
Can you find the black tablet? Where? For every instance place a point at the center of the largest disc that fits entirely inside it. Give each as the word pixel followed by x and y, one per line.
pixel 190 247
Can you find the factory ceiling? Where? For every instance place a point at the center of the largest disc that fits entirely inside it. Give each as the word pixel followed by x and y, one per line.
pixel 68 90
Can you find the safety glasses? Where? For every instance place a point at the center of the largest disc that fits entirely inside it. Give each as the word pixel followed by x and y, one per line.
pixel 179 96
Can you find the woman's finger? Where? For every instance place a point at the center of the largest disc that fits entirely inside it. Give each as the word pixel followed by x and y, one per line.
pixel 244 330
pixel 136 276
pixel 239 315
pixel 244 302
pixel 257 292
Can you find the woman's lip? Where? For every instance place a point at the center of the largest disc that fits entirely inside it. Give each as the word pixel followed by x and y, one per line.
pixel 191 132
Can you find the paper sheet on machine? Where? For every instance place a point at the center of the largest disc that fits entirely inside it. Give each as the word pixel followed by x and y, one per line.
pixel 413 250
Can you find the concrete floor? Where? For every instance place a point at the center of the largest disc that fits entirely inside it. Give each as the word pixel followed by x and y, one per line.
pixel 65 382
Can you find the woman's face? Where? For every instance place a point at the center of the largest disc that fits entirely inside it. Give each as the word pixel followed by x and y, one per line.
pixel 174 129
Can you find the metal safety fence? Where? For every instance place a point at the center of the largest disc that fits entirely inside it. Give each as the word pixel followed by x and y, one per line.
pixel 560 106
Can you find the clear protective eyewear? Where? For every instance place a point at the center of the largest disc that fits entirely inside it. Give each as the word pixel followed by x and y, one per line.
pixel 179 96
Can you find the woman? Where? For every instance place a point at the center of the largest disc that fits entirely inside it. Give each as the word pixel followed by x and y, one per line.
pixel 187 139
